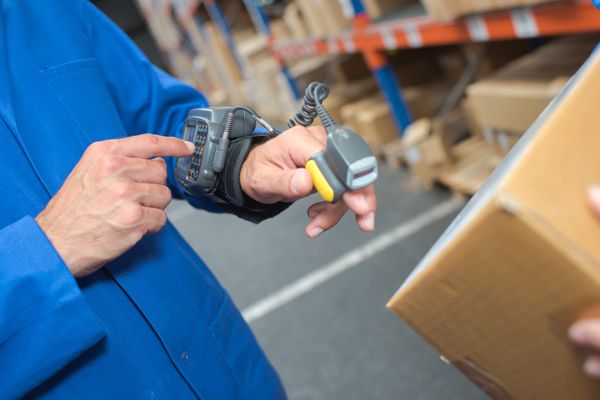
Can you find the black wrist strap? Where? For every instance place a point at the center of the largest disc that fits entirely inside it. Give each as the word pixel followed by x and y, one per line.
pixel 229 194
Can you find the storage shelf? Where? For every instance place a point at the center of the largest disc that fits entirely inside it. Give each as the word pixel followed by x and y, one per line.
pixel 421 31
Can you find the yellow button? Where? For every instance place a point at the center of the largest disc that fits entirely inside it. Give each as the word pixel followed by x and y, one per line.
pixel 321 184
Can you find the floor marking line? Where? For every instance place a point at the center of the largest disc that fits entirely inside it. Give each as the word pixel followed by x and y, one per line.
pixel 316 278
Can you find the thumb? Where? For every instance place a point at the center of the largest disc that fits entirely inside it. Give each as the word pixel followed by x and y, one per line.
pixel 292 184
pixel 281 185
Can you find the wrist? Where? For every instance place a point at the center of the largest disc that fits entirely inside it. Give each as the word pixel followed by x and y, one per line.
pixel 63 251
pixel 245 175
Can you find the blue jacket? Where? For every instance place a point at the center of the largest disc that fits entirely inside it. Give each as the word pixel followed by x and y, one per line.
pixel 155 323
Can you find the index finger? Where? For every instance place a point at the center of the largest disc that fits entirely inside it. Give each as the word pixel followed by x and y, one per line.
pixel 151 146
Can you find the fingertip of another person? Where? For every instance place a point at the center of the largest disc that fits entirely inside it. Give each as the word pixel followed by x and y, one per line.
pixel 578 332
pixel 592 366
pixel 594 196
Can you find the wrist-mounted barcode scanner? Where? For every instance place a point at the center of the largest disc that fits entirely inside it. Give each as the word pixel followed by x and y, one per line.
pixel 223 137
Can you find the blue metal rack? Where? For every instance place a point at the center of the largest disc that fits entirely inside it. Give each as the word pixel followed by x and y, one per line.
pixel 216 14
pixel 384 73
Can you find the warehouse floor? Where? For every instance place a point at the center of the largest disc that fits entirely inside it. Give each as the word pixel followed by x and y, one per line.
pixel 318 306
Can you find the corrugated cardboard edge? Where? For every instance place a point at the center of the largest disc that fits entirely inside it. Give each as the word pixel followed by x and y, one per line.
pixel 493 184
pixel 482 379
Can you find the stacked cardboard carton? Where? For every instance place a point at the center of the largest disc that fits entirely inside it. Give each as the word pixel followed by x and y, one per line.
pixel 371 117
pixel 320 17
pixel 264 88
pixel 449 9
pixel 507 103
pixel 439 150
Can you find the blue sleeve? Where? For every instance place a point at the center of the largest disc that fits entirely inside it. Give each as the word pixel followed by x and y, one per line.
pixel 148 99
pixel 45 322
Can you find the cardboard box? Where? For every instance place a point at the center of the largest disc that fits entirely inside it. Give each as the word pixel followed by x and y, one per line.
pixel 425 151
pixel 293 19
pixel 350 68
pixel 416 67
pixel 322 17
pixel 423 101
pixel 515 95
pixel 393 153
pixel 380 8
pixel 472 118
pixel 475 159
pixel 498 291
pixel 342 95
pixel 376 125
pixel 371 119
pixel 450 9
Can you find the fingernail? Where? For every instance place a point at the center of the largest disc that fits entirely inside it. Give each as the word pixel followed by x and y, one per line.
pixel 296 183
pixel 191 147
pixel 592 367
pixel 370 221
pixel 315 232
pixel 579 333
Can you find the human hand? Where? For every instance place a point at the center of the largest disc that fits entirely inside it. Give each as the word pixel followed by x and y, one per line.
pixel 586 332
pixel 274 171
pixel 114 196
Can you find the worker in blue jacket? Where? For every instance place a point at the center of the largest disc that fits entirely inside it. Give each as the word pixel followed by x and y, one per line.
pixel 100 297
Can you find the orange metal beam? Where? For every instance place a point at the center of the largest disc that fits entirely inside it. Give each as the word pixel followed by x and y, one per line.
pixel 546 20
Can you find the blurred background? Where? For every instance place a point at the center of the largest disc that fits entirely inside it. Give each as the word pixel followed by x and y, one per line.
pixel 440 90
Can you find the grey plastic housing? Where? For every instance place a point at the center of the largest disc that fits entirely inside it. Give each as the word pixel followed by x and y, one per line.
pixel 199 174
pixel 351 158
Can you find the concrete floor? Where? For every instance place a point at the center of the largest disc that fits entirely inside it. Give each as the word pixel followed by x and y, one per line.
pixel 337 341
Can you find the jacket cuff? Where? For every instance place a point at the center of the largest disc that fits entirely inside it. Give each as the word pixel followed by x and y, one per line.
pixel 47 322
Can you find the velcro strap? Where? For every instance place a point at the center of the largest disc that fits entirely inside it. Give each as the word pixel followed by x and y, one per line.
pixel 229 193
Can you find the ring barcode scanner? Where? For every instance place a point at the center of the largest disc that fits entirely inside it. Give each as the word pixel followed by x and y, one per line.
pixel 347 163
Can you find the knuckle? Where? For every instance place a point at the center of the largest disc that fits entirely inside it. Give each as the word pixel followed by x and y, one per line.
pixel 161 173
pixel 122 189
pixel 297 130
pixel 95 149
pixel 150 140
pixel 167 194
pixel 109 164
pixel 257 184
pixel 164 194
pixel 318 131
pixel 162 219
pixel 132 214
pixel 157 223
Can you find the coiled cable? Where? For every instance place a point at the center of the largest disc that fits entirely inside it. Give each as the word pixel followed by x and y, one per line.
pixel 312 107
